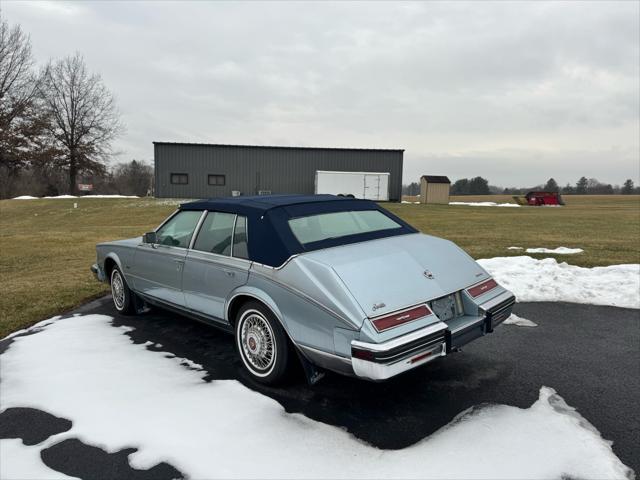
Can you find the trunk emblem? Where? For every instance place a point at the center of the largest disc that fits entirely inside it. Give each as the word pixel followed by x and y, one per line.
pixel 376 306
pixel 428 274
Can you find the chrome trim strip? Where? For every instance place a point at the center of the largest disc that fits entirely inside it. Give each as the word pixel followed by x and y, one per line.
pixel 233 234
pixel 196 231
pixel 496 300
pixel 322 353
pixel 399 341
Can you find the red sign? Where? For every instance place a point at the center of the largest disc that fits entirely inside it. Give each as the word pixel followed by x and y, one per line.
pixel 85 187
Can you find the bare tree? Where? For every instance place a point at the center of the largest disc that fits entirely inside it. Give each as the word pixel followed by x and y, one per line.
pixel 22 122
pixel 84 117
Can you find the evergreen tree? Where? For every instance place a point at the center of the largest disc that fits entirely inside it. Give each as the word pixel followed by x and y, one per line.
pixel 551 186
pixel 581 186
pixel 627 188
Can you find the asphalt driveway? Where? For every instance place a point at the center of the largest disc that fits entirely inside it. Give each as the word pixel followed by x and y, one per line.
pixel 590 355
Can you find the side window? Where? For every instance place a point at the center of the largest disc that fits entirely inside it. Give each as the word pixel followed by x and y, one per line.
pixel 179 179
pixel 215 233
pixel 240 249
pixel 218 180
pixel 177 232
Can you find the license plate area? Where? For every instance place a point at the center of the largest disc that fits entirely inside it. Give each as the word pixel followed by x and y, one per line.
pixel 448 307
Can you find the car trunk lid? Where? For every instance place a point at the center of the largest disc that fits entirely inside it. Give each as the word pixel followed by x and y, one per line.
pixel 389 274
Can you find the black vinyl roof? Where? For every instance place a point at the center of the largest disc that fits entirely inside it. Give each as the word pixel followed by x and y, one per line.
pixel 436 178
pixel 257 203
pixel 271 241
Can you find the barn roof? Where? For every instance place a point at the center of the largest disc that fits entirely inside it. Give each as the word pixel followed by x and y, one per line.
pixel 229 145
pixel 436 178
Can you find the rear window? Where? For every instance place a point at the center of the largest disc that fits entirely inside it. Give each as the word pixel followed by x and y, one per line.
pixel 324 226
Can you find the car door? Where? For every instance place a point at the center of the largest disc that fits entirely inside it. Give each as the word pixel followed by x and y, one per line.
pixel 216 264
pixel 158 267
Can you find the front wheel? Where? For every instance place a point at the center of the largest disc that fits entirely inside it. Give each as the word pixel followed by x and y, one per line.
pixel 262 343
pixel 120 292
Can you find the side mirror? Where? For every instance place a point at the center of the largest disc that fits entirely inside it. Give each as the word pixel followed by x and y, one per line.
pixel 150 237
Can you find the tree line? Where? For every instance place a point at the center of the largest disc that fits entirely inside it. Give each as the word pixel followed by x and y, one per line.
pixel 57 125
pixel 481 186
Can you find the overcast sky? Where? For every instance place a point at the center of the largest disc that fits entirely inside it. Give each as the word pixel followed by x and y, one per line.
pixel 515 92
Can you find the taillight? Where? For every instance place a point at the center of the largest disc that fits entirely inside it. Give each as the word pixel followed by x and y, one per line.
pixel 390 321
pixel 362 354
pixel 481 288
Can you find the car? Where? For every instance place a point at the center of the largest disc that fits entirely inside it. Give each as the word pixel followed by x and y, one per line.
pixel 335 283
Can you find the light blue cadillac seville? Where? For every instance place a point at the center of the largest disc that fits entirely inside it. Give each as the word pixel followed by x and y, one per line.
pixel 334 283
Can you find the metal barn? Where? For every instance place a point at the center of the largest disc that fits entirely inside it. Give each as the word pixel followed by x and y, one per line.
pixel 197 170
pixel 434 189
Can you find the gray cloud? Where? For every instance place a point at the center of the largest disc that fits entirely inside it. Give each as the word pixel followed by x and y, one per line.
pixel 513 91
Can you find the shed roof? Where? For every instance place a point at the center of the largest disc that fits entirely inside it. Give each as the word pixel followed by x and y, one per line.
pixel 436 178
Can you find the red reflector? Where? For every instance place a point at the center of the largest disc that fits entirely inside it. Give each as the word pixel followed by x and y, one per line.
pixel 482 287
pixel 390 321
pixel 421 357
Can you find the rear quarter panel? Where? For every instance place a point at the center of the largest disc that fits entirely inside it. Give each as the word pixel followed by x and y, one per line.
pixel 307 321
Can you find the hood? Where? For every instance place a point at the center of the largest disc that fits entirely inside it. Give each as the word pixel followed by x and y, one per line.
pixel 392 273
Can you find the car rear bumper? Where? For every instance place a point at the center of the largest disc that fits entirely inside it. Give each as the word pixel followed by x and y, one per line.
pixel 98 273
pixel 380 361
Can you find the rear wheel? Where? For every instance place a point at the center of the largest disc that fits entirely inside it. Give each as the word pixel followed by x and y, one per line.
pixel 120 292
pixel 262 343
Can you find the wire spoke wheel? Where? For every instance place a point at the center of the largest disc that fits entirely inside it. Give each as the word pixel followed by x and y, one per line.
pixel 117 289
pixel 257 342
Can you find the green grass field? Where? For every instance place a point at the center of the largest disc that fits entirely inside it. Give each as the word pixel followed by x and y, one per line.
pixel 47 246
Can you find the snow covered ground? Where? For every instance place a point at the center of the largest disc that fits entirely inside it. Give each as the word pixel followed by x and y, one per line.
pixel 547 280
pixel 485 204
pixel 119 394
pixel 62 197
pixel 556 251
pixel 21 462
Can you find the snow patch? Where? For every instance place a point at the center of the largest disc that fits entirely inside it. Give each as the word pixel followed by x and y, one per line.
pixel 515 248
pixel 557 251
pixel 485 204
pixel 519 321
pixel 109 196
pixel 20 462
pixel 546 280
pixel 119 394
pixel 29 197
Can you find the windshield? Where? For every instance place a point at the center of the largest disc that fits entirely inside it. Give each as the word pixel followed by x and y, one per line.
pixel 324 226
